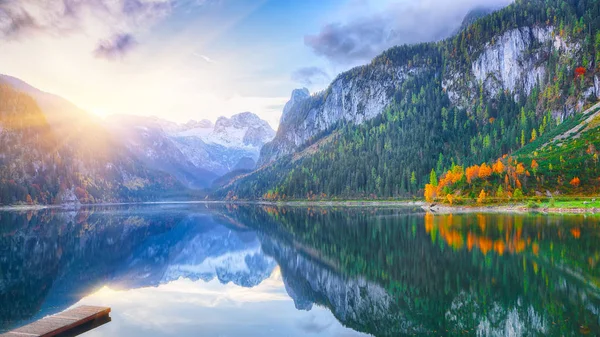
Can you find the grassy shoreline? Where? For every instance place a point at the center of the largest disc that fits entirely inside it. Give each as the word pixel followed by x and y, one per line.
pixel 564 206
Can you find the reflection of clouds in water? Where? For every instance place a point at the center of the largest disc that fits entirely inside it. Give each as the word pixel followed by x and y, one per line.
pixel 180 304
pixel 312 325
pixel 184 307
pixel 213 293
pixel 209 294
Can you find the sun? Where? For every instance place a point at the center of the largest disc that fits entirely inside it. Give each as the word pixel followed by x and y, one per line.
pixel 99 112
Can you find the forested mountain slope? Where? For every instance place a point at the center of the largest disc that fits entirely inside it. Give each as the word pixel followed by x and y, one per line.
pixel 43 164
pixel 562 161
pixel 378 129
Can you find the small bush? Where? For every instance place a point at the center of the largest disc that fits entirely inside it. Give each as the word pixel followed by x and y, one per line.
pixel 518 195
pixel 532 204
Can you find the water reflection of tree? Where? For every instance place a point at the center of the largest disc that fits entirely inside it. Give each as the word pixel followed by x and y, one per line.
pixel 456 272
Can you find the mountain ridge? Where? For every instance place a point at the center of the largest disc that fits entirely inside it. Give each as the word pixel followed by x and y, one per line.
pixel 201 148
pixel 472 97
pixel 123 158
pixel 41 164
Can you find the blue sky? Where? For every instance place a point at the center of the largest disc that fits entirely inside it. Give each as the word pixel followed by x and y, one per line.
pixel 201 59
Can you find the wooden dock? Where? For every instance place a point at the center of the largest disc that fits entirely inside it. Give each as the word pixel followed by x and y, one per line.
pixel 68 323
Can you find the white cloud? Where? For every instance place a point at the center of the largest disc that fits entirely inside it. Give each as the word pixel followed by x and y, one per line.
pixel 205 58
pixel 375 27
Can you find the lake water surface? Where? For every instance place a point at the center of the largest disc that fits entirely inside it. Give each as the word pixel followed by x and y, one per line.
pixel 247 270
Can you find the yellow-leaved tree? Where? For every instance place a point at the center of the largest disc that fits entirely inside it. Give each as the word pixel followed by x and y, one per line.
pixel 430 192
pixel 481 198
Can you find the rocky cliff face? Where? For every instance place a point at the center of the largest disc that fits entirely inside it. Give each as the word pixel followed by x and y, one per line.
pixel 349 99
pixel 514 61
pixel 298 95
pixel 504 66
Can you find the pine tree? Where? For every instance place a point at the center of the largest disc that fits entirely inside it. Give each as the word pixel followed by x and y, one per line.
pixel 413 178
pixel 433 178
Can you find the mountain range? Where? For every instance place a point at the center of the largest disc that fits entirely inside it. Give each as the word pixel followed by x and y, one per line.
pixel 54 152
pixel 196 152
pixel 377 130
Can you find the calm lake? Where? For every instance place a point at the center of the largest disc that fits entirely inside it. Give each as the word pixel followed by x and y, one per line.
pixel 247 270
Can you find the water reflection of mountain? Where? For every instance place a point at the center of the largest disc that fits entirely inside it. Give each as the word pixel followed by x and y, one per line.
pixel 391 272
pixel 197 249
pixel 356 302
pixel 384 272
pixel 49 260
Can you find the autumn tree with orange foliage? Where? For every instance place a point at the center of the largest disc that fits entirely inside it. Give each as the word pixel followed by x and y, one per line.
pixel 472 172
pixel 520 169
pixel 505 170
pixel 498 167
pixel 534 166
pixel 456 173
pixel 484 171
pixel 518 183
pixel 448 179
pixel 575 182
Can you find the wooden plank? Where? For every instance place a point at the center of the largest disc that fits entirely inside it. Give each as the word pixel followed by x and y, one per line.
pixel 60 323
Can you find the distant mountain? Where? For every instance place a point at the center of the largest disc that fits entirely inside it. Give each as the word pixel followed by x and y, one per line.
pixel 146 139
pixel 52 152
pixel 55 152
pixel 209 150
pixel 228 145
pixel 68 120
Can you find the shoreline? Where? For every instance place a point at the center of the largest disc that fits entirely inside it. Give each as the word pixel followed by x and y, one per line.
pixel 295 203
pixel 346 203
pixel 517 208
pixel 438 208
pixel 27 207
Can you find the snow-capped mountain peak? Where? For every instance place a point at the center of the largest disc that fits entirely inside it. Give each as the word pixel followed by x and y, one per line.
pixel 217 148
pixel 193 124
pixel 244 130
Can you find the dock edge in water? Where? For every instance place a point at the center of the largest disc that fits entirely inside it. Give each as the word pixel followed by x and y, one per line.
pixel 67 323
